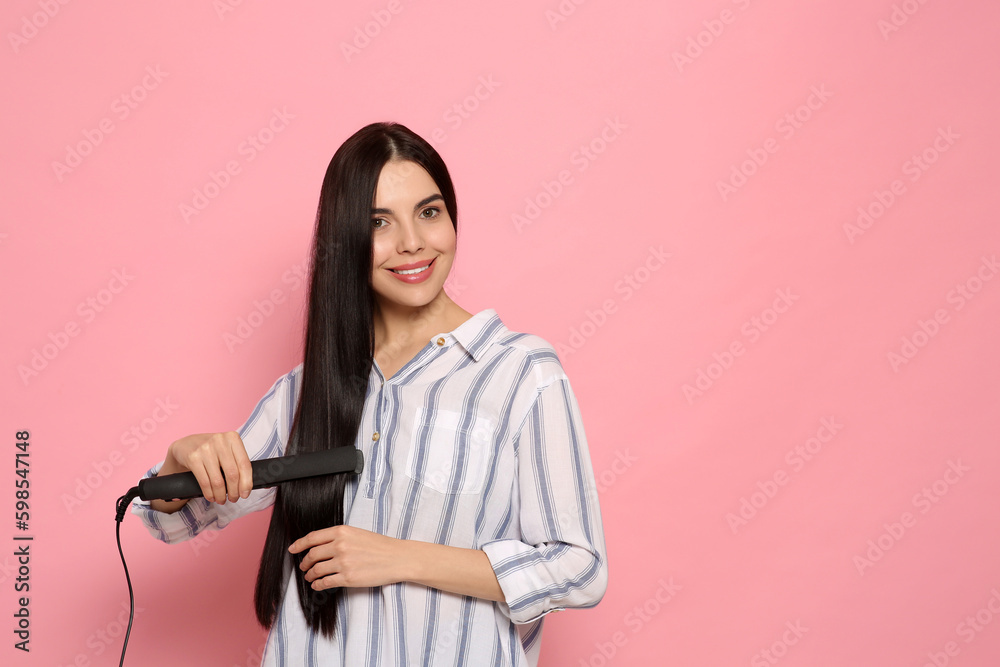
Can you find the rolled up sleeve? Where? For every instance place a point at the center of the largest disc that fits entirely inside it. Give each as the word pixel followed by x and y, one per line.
pixel 560 561
pixel 197 514
pixel 265 435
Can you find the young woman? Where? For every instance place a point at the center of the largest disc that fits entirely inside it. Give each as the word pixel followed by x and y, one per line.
pixel 476 513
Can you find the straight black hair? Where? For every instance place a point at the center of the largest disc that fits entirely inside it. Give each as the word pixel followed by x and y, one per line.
pixel 339 351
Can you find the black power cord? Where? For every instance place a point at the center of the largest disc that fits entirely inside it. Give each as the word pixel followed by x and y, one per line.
pixel 266 473
pixel 121 507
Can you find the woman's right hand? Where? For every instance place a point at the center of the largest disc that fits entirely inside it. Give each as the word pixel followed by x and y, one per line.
pixel 219 462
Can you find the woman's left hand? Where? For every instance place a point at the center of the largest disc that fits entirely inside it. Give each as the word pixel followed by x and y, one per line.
pixel 349 556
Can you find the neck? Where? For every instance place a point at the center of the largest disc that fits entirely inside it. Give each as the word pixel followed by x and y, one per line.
pixel 400 327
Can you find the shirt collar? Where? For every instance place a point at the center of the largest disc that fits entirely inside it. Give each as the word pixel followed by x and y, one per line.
pixel 480 331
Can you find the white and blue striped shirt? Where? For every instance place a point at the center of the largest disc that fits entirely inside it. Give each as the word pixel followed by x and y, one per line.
pixel 481 445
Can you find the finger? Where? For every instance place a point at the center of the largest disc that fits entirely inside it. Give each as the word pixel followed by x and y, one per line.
pixel 243 463
pixel 336 580
pixel 224 446
pixel 312 539
pixel 210 459
pixel 196 465
pixel 318 554
pixel 322 568
pixel 302 544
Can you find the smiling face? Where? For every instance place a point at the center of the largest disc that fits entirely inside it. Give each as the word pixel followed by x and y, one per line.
pixel 413 240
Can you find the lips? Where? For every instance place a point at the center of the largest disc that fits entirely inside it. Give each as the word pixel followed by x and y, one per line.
pixel 411 268
pixel 417 272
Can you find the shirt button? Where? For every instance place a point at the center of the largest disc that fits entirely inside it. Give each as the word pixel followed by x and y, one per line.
pixel 440 341
pixel 375 436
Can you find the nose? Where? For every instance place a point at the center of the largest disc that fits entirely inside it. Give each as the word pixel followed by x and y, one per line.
pixel 410 238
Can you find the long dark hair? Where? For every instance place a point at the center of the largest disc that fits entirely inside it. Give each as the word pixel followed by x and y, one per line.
pixel 339 348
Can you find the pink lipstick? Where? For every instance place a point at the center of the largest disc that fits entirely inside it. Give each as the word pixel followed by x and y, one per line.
pixel 416 272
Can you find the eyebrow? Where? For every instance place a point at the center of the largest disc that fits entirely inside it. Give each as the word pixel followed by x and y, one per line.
pixel 423 202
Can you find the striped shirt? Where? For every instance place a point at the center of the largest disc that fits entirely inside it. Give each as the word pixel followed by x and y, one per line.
pixel 476 442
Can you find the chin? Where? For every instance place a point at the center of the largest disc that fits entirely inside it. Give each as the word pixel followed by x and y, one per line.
pixel 408 300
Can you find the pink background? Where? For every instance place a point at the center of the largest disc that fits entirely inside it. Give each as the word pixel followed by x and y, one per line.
pixel 838 559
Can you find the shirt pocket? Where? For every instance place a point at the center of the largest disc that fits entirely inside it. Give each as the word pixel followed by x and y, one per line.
pixel 450 453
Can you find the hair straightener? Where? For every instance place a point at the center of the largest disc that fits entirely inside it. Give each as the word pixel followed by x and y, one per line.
pixel 266 473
